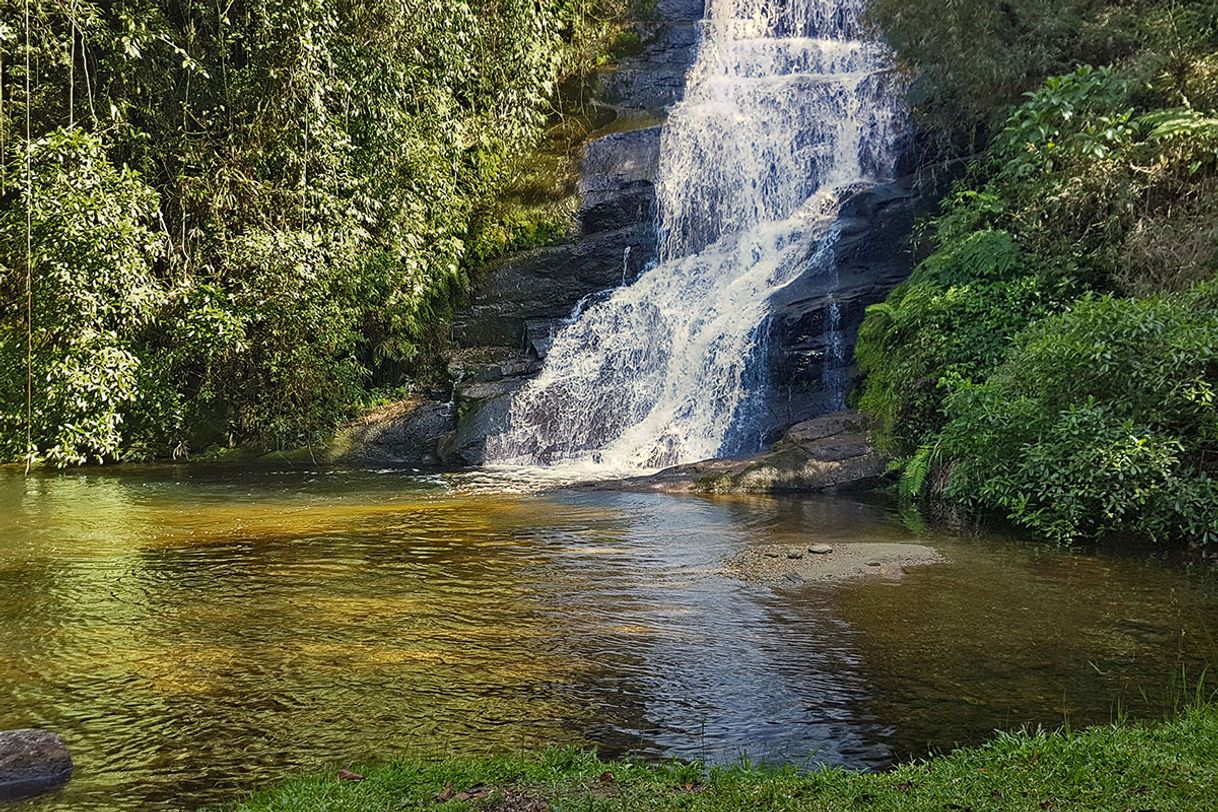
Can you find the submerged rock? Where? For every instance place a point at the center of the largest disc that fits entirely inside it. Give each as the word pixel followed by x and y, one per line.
pixel 32 761
pixel 828 453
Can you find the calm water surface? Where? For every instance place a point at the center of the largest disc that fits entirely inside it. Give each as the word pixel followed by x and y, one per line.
pixel 194 633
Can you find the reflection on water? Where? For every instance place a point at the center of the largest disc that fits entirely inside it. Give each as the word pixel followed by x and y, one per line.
pixel 193 633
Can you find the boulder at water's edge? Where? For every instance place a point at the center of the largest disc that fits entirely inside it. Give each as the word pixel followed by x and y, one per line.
pixel 32 761
pixel 833 452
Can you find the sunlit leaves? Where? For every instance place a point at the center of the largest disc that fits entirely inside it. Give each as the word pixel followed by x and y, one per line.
pixel 93 290
pixel 1101 421
pixel 1079 115
pixel 1047 399
pixel 318 165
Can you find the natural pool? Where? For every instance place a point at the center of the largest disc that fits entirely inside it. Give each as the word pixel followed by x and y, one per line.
pixel 195 632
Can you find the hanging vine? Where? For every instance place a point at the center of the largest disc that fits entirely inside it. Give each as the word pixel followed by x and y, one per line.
pixel 29 257
pixel 72 65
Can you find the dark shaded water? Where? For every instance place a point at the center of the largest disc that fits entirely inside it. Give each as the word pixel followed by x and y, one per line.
pixel 195 633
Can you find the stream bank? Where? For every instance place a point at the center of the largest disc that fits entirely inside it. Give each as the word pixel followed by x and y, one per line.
pixel 1169 765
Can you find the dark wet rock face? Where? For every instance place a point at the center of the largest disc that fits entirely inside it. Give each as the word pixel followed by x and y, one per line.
pixel 814 322
pixel 526 296
pixel 617 186
pixel 521 302
pixel 483 395
pixel 404 434
pixel 655 80
pixel 32 762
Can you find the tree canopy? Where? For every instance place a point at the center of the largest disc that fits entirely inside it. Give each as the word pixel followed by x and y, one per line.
pixel 247 216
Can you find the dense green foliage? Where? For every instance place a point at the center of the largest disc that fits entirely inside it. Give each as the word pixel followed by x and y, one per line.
pixel 1054 360
pixel 972 58
pixel 247 216
pixel 94 293
pixel 1169 766
pixel 1100 421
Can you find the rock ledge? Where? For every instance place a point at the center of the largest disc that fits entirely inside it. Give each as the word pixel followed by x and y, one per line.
pixel 827 453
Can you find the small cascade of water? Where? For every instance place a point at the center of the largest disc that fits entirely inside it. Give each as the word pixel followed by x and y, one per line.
pixel 834 375
pixel 834 368
pixel 788 111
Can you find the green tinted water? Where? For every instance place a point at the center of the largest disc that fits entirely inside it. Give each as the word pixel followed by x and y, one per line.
pixel 193 633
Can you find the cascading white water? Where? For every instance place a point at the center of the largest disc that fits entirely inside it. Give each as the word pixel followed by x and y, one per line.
pixel 788 110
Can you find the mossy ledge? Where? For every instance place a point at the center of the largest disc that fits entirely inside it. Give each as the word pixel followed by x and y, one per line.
pixel 1172 765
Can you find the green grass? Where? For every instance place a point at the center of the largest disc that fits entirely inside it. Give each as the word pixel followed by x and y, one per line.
pixel 1167 766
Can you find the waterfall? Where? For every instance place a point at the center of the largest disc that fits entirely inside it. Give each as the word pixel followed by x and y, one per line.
pixel 789 109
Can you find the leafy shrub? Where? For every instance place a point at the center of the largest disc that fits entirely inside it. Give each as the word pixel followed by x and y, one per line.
pixel 1171 251
pixel 1078 115
pixel 1103 420
pixel 951 322
pixel 972 58
pixel 1195 131
pixel 296 291
pixel 1009 375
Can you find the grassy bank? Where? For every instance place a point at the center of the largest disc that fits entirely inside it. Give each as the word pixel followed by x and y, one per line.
pixel 1167 766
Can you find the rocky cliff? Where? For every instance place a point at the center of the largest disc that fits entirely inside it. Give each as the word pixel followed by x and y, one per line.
pixel 518 306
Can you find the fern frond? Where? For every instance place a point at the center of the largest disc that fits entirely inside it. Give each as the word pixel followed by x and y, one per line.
pixel 1177 122
pixel 917 471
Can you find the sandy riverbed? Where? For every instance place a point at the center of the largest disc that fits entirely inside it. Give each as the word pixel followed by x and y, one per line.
pixel 796 564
